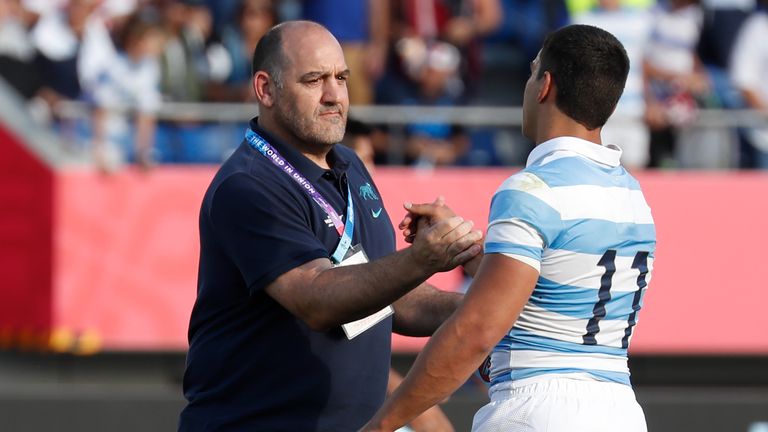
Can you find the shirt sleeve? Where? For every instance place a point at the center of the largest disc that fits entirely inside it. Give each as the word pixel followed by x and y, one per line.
pixel 264 229
pixel 515 239
pixel 522 222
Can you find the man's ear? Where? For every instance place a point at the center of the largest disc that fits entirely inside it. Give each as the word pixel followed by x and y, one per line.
pixel 263 87
pixel 546 87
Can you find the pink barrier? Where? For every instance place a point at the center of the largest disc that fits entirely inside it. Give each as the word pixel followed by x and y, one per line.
pixel 125 248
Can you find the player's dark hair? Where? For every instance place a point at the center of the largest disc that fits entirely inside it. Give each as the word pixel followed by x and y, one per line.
pixel 589 67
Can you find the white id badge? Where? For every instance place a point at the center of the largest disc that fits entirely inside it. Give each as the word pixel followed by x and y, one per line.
pixel 356 255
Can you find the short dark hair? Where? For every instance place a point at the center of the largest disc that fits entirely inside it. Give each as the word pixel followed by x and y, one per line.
pixel 269 56
pixel 589 67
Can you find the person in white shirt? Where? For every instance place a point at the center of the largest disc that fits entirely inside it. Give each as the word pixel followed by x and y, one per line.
pixel 748 71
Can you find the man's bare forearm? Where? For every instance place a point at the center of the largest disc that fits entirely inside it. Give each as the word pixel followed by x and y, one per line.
pixel 324 296
pixel 343 294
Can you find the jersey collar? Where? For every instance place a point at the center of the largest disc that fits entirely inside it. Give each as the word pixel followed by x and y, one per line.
pixel 306 167
pixel 609 155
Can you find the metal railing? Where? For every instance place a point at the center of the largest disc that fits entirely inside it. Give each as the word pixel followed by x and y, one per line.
pixel 400 115
pixel 709 141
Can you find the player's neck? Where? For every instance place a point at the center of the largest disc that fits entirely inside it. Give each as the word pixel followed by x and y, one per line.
pixel 563 126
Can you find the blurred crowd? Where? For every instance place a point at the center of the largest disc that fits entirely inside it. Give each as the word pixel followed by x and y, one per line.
pixel 125 58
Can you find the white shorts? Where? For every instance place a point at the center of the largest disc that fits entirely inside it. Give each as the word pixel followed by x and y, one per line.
pixel 558 404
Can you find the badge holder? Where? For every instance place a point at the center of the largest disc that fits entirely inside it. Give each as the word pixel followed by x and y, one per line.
pixel 356 255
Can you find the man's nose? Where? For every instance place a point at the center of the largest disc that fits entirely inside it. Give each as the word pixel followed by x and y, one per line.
pixel 334 90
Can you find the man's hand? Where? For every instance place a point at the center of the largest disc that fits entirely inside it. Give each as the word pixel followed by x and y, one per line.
pixel 430 214
pixel 445 244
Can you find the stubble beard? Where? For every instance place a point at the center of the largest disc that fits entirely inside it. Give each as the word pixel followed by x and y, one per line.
pixel 312 130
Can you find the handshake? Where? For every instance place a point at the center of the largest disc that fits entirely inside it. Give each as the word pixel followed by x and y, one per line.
pixel 439 238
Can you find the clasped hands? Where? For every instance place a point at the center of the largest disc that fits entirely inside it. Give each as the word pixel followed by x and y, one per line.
pixel 439 237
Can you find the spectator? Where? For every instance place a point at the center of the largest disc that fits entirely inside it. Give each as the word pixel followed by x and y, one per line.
pixel 223 13
pixel 434 69
pixel 721 24
pixel 509 49
pixel 130 82
pixel 254 17
pixel 188 65
pixel 626 127
pixel 749 68
pixel 674 76
pixel 185 66
pixel 17 54
pixel 363 28
pixel 74 47
pixel 116 13
pixel 460 22
pixel 722 21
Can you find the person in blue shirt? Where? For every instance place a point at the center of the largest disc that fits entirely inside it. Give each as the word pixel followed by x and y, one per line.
pixel 568 256
pixel 299 284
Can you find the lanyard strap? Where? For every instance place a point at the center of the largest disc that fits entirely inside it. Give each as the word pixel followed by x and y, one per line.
pixel 347 230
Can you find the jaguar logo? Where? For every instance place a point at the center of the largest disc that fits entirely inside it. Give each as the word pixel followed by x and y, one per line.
pixel 367 193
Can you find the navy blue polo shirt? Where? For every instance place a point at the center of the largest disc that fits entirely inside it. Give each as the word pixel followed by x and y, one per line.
pixel 251 364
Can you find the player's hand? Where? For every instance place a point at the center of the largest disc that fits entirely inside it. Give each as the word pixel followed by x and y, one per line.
pixel 434 212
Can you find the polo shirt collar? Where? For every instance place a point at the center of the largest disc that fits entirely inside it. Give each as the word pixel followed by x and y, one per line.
pixel 304 165
pixel 609 155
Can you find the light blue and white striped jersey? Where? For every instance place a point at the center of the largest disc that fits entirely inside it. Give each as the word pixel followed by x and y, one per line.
pixel 576 215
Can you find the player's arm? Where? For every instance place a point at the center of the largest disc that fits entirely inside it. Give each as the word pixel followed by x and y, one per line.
pixel 324 296
pixel 431 420
pixel 498 293
pixel 423 310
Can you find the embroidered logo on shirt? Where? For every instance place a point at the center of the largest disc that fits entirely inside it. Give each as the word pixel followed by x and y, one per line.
pixel 367 193
pixel 376 213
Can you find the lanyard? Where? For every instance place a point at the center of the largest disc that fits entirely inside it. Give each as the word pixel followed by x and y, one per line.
pixel 345 230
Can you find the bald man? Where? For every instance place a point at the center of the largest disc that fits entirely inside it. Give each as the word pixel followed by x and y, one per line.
pixel 299 284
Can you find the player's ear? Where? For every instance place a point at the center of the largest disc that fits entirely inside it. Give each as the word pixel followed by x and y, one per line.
pixel 264 88
pixel 545 88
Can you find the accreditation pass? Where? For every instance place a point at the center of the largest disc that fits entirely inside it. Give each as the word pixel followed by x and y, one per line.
pixel 356 255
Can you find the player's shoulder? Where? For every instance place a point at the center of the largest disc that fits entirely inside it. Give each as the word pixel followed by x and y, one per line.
pixel 580 171
pixel 526 180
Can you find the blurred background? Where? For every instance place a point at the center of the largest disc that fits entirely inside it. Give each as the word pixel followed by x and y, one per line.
pixel 114 116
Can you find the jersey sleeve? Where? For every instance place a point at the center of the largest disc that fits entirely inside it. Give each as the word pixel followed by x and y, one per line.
pixel 266 233
pixel 522 221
